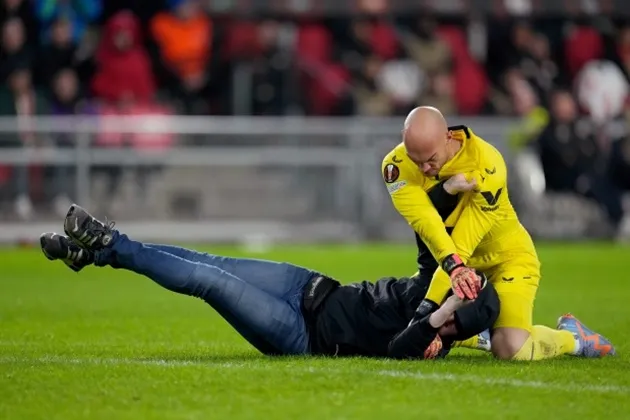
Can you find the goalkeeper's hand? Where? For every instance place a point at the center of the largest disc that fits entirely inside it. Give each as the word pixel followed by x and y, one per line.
pixel 465 283
pixel 464 280
pixel 459 183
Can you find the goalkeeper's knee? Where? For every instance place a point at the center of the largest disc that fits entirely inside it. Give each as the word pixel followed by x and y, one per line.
pixel 511 343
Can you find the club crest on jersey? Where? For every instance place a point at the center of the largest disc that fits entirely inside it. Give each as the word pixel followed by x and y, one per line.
pixel 391 173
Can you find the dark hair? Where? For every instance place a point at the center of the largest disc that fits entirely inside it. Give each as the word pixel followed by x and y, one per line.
pixel 479 315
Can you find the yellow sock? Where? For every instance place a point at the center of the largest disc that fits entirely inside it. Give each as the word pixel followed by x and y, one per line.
pixel 471 343
pixel 546 343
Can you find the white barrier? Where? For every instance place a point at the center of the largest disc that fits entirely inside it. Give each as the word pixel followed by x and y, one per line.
pixel 230 178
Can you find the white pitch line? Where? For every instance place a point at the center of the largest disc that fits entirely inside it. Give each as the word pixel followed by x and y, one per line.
pixel 517 383
pixel 251 366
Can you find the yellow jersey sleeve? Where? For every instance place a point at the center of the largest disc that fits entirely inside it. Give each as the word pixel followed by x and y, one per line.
pixel 484 206
pixel 406 190
pixel 480 211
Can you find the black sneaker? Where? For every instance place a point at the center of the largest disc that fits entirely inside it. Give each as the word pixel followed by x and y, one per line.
pixel 59 247
pixel 86 230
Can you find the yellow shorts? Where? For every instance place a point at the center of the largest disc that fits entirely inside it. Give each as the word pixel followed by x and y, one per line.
pixel 516 284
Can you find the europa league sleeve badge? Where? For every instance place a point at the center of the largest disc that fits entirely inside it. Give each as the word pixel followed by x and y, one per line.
pixel 391 173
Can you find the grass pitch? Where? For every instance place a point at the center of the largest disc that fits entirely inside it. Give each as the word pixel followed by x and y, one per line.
pixel 108 344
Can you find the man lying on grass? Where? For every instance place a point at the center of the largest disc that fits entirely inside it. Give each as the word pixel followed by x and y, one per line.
pixel 283 309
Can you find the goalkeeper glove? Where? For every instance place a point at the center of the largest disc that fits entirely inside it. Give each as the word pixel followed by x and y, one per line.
pixel 434 349
pixel 464 280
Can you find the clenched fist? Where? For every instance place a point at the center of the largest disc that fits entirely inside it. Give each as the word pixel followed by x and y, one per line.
pixel 459 183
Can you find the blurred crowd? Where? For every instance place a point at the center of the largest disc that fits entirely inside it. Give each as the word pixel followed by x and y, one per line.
pixel 118 54
pixel 566 78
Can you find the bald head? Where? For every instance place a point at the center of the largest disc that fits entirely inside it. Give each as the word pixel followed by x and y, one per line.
pixel 424 126
pixel 425 136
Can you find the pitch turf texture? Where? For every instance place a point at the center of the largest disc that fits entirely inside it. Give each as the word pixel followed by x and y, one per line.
pixel 107 344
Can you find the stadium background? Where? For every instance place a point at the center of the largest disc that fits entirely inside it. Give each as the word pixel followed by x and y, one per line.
pixel 266 121
pixel 262 121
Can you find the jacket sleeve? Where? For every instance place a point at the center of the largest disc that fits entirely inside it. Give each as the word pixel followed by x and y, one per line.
pixel 413 341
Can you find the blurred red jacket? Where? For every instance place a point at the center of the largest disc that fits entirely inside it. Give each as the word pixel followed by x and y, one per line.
pixel 123 65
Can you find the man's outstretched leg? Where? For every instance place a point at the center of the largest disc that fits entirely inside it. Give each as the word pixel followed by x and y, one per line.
pixel 266 275
pixel 276 317
pixel 281 280
pixel 269 276
pixel 60 247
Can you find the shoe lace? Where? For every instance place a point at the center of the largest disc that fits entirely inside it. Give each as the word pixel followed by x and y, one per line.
pixel 101 228
pixel 109 223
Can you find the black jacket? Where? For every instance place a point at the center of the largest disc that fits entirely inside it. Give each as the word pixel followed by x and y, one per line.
pixel 386 319
pixel 362 318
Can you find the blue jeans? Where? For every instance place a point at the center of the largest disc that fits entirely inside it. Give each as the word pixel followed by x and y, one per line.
pixel 262 300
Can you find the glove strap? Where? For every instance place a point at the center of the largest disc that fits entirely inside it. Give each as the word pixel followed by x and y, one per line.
pixel 426 307
pixel 452 262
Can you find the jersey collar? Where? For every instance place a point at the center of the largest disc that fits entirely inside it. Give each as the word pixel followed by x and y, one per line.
pixel 461 134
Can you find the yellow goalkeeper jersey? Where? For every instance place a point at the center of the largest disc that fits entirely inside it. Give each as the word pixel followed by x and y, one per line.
pixel 485 227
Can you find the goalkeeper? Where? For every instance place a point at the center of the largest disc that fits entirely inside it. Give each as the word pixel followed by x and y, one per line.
pixel 480 230
pixel 283 309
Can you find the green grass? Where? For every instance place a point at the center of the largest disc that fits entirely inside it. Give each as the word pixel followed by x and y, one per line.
pixel 108 344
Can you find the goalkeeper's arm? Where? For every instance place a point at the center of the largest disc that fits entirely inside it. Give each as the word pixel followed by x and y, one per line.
pixel 415 206
pixel 413 203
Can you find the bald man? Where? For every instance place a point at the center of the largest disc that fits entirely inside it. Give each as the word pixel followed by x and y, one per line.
pixel 451 187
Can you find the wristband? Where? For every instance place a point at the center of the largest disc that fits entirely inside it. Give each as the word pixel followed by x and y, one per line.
pixel 451 262
pixel 426 308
